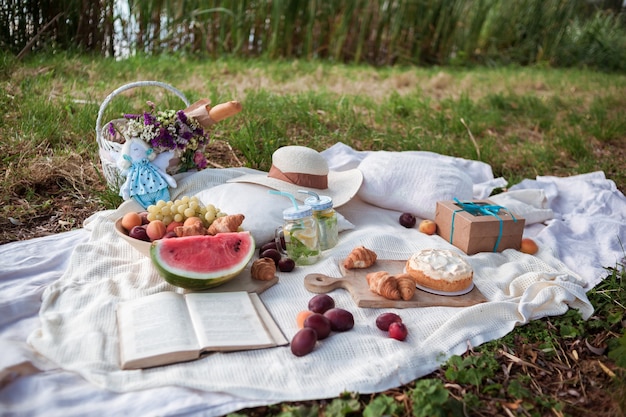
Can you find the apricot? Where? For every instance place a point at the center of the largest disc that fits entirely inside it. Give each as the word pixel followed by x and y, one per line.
pixel 528 246
pixel 301 317
pixel 131 220
pixel 428 226
pixel 156 229
pixel 190 221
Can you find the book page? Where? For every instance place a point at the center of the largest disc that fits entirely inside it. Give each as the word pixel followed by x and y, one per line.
pixel 271 326
pixel 155 325
pixel 226 321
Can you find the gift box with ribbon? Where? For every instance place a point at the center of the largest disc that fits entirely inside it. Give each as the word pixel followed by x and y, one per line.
pixel 478 226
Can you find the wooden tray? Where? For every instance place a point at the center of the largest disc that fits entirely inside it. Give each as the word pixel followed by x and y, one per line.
pixel 243 282
pixel 355 282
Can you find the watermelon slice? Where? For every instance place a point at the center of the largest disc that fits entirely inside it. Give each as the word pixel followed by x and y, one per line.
pixel 201 262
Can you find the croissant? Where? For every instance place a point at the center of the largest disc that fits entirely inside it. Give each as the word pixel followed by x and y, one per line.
pixel 360 257
pixel 225 224
pixel 263 269
pixel 190 230
pixel 406 286
pixel 383 284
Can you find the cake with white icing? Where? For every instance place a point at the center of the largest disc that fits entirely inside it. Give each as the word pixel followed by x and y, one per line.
pixel 440 269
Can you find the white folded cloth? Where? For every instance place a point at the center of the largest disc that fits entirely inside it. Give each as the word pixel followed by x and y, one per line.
pixel 530 204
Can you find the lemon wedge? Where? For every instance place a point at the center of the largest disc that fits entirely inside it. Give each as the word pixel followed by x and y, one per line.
pixel 307 237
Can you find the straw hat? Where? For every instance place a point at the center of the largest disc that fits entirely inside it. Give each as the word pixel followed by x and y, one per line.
pixel 300 168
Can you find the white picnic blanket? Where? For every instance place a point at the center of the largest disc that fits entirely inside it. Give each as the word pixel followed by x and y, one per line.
pixel 80 276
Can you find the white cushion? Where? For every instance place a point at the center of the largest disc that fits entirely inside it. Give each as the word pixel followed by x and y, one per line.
pixel 263 211
pixel 411 183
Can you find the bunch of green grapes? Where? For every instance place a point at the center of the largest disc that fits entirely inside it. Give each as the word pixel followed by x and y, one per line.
pixel 182 209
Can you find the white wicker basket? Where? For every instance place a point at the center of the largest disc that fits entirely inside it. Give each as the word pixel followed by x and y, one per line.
pixel 108 149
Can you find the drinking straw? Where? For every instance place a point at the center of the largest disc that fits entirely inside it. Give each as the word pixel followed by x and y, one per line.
pixel 286 194
pixel 314 194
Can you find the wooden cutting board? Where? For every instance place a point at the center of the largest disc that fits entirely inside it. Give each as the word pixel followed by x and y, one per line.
pixel 355 282
pixel 244 282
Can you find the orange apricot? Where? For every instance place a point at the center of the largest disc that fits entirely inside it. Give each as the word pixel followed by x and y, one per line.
pixel 190 221
pixel 130 220
pixel 428 226
pixel 301 317
pixel 156 229
pixel 528 246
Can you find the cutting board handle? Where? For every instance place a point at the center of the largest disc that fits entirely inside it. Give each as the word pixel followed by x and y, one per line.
pixel 320 283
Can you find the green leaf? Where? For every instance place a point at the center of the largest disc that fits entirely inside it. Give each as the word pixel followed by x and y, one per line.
pixel 340 407
pixel 299 411
pixel 568 331
pixel 615 317
pixel 618 352
pixel 429 397
pixel 517 390
pixel 383 405
pixel 471 369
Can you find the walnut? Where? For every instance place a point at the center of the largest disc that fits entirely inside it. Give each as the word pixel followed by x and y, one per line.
pixel 263 269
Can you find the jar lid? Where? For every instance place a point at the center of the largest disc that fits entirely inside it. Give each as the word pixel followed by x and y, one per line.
pixel 323 203
pixel 301 212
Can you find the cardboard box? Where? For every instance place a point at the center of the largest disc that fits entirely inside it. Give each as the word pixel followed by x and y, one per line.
pixel 481 231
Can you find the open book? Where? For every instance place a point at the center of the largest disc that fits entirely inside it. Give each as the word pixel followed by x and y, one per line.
pixel 169 327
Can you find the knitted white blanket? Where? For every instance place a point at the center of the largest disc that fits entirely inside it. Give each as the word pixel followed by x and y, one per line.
pixel 77 330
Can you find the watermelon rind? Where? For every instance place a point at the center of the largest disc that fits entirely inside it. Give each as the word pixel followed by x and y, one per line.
pixel 202 262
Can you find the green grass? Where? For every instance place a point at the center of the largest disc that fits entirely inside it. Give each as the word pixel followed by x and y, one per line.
pixel 524 121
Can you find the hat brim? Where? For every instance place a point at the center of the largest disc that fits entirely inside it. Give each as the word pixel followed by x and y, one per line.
pixel 342 185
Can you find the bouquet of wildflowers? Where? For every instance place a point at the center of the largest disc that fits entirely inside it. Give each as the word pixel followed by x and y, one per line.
pixel 167 130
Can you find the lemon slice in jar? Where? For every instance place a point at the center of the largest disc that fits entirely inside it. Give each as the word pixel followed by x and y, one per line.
pixel 307 237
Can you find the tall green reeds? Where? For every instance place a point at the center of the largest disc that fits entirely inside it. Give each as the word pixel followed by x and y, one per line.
pixel 378 32
pixel 383 32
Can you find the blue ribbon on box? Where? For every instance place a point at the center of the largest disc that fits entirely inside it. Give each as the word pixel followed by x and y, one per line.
pixel 481 209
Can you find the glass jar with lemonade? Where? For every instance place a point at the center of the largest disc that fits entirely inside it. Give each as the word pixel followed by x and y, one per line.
pixel 326 218
pixel 300 231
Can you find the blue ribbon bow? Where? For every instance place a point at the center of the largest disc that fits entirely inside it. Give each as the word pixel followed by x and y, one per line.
pixel 481 209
